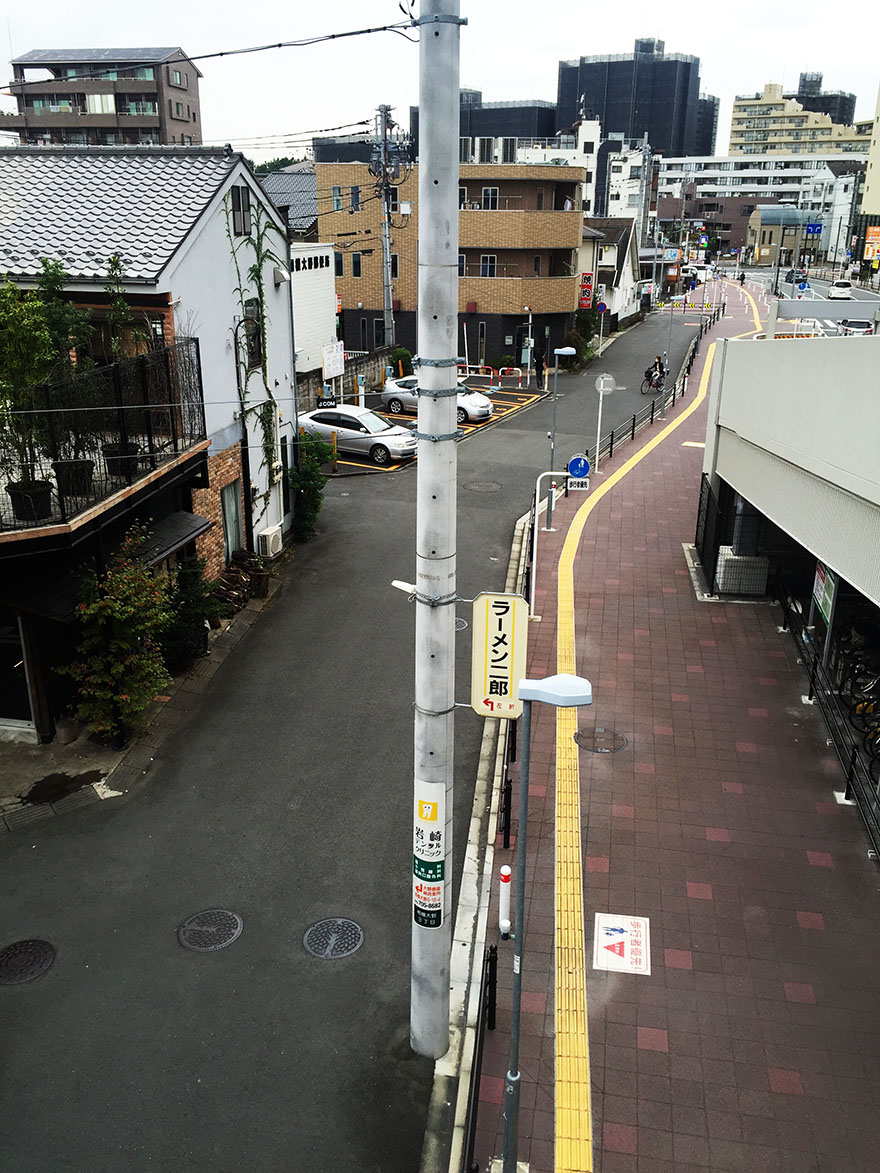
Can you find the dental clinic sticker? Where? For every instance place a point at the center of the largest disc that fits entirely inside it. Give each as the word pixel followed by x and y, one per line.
pixel 429 832
pixel 622 943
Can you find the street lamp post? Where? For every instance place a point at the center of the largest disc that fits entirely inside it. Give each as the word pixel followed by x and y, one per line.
pixel 528 309
pixel 559 352
pixel 563 691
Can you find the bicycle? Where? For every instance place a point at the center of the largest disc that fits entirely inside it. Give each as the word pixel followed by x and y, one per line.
pixel 653 385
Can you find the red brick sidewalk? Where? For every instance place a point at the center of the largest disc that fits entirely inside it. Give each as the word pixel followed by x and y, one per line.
pixel 755 1042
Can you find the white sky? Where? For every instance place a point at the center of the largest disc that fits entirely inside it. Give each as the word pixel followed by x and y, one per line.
pixel 509 51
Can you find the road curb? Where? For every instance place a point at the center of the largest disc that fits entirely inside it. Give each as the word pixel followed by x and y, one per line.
pixel 445 1140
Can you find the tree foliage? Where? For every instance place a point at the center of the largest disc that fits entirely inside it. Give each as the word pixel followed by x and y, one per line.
pixel 307 482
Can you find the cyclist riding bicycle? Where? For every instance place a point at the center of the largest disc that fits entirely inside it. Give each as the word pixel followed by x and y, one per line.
pixel 656 372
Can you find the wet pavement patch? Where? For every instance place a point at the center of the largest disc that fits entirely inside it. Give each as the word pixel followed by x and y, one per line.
pixel 25 960
pixel 54 787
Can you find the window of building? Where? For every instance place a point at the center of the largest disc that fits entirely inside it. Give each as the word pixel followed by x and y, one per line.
pixel 194 116
pixel 178 78
pixel 186 140
pixel 338 265
pixel 539 199
pixel 356 265
pixel 393 199
pixel 465 150
pixel 100 104
pixel 335 199
pixel 253 333
pixel 508 150
pixel 178 110
pixel 364 345
pixel 488 264
pixel 536 265
pixel 378 332
pixel 589 148
pixel 490 199
pixel 616 168
pixel 230 507
pixel 395 266
pixel 462 263
pixel 589 177
pixel 462 197
pixel 487 150
pixel 763 236
pixel 355 199
pixel 241 211
pixel 481 356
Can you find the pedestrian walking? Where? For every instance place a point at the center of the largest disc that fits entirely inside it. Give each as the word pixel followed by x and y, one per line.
pixel 539 369
pixel 742 280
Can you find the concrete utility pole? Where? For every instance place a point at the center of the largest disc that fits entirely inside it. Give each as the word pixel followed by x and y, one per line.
pixel 388 306
pixel 435 526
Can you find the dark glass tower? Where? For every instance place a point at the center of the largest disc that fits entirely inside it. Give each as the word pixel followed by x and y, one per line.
pixel 643 92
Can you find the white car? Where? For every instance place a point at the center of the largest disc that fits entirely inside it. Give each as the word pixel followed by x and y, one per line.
pixel 852 326
pixel 840 290
pixel 361 431
pixel 399 395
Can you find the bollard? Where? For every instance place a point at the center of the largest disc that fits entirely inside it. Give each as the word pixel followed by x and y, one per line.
pixel 633 432
pixel 504 904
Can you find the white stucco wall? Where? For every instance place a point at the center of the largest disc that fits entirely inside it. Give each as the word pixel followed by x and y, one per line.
pixel 793 427
pixel 201 279
pixel 313 289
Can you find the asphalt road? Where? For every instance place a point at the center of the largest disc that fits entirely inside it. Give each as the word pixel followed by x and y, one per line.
pixel 286 799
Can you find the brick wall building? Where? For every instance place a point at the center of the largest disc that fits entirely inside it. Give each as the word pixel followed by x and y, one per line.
pixel 519 229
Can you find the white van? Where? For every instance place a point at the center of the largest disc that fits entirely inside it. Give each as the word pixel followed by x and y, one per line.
pixel 840 290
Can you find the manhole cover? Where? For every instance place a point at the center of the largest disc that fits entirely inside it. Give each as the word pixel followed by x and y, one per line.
pixel 600 740
pixel 207 931
pixel 25 960
pixel 460 624
pixel 333 938
pixel 484 486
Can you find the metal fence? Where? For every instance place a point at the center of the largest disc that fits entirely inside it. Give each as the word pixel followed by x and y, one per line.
pixel 845 739
pixel 83 439
pixel 485 1021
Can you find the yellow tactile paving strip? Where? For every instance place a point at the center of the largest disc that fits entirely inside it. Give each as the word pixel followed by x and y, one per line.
pixel 574 1139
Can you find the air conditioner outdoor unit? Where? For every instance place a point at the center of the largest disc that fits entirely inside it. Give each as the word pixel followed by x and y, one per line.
pixel 269 542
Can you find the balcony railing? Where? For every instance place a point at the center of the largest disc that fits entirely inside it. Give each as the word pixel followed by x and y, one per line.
pixel 103 429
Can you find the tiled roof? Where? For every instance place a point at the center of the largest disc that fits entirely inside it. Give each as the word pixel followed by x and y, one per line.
pixel 81 206
pixel 298 191
pixel 59 56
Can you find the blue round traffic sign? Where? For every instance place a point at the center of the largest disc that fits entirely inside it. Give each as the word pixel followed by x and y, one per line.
pixel 579 467
pixel 803 285
pixel 601 307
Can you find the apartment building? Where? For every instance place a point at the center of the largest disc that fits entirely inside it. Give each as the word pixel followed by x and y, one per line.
pixel 770 123
pixel 729 188
pixel 106 97
pixel 519 230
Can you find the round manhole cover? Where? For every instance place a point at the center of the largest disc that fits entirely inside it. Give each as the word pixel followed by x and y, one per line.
pixel 599 740
pixel 25 960
pixel 207 931
pixel 484 486
pixel 460 624
pixel 333 938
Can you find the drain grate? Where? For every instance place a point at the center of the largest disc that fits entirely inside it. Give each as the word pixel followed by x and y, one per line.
pixel 460 624
pixel 484 486
pixel 600 740
pixel 336 937
pixel 25 960
pixel 210 930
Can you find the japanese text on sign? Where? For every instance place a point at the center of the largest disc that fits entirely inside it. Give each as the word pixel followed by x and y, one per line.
pixel 498 660
pixel 429 866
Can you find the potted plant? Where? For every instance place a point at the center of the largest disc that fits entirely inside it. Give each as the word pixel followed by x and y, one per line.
pixel 75 427
pixel 26 356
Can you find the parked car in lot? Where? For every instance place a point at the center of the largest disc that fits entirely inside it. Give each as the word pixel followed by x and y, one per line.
pixel 360 431
pixel 795 276
pixel 840 290
pixel 401 395
pixel 856 326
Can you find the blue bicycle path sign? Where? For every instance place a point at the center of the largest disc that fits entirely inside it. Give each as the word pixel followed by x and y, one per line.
pixel 579 466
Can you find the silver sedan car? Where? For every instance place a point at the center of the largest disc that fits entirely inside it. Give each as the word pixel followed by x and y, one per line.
pixel 362 432
pixel 401 395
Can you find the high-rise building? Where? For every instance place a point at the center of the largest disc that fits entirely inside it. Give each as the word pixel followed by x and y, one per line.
pixel 106 97
pixel 840 107
pixel 707 124
pixel 644 92
pixel 769 123
pixel 480 123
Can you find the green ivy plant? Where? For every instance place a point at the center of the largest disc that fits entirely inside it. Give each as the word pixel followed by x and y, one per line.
pixel 118 667
pixel 307 482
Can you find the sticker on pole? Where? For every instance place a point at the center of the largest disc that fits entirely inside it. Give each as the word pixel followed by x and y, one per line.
pixel 622 943
pixel 498 656
pixel 429 853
